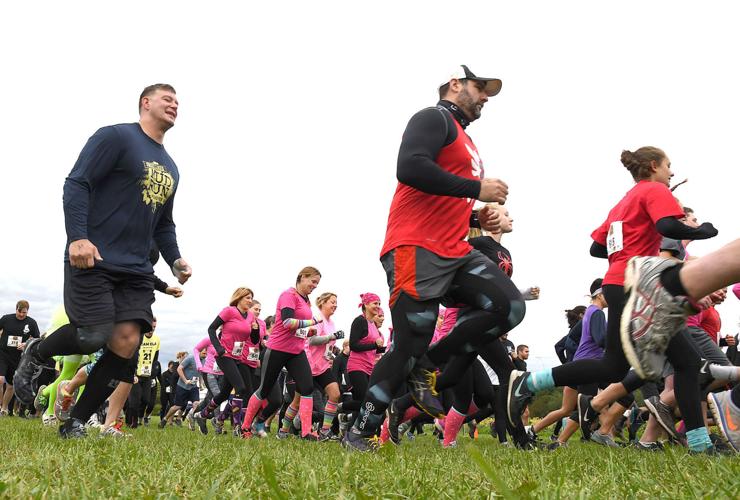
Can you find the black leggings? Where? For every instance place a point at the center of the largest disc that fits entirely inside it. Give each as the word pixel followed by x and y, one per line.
pixel 297 366
pixel 495 306
pixel 237 376
pixel 359 381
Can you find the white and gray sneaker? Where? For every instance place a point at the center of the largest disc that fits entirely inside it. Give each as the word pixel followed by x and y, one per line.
pixel 113 432
pixel 651 316
pixel 603 439
pixel 726 416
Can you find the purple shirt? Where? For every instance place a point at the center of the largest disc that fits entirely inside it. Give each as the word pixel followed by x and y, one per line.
pixel 588 349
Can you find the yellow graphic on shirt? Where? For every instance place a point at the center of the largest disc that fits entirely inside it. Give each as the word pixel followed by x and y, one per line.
pixel 149 347
pixel 158 184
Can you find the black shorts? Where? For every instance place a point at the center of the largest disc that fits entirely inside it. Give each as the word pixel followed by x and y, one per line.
pixel 182 396
pixel 424 275
pixel 98 296
pixel 7 367
pixel 325 378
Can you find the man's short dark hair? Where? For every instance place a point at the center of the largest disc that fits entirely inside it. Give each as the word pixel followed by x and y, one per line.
pixel 521 347
pixel 153 88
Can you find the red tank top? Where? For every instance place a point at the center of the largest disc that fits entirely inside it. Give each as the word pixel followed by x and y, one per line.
pixel 437 223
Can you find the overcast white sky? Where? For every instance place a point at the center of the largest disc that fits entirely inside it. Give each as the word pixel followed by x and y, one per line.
pixel 291 115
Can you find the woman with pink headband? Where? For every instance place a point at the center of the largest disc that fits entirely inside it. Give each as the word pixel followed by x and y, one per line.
pixel 364 342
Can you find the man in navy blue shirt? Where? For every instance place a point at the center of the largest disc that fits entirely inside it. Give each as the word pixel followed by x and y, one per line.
pixel 117 199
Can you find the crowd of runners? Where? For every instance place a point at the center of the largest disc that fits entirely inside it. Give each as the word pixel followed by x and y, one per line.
pixel 651 324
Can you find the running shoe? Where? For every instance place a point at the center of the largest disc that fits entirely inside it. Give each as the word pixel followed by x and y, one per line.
pixel 531 434
pixel 65 401
pixel 177 419
pixel 421 385
pixel 555 445
pixel 258 429
pixel 202 423
pixel 49 419
pixel 191 420
pixel 162 423
pixel 663 415
pixel 29 364
pixel 41 402
pixel 114 432
pixel 3 413
pixel 603 439
pixel 281 434
pixel 451 445
pixel 218 425
pixel 354 441
pixel 394 420
pixel 327 435
pixel 726 417
pixel 586 415
pixel 651 316
pixel 93 421
pixel 146 421
pixel 473 430
pixel 72 428
pixel 656 446
pixel 311 436
pixel 343 419
pixel 519 396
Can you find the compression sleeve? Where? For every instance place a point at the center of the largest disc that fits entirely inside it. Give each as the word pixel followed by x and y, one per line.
pixel 357 332
pixel 199 347
pixel 598 250
pixel 288 316
pixel 426 134
pixel 597 328
pixel 97 158
pixel 160 285
pixel 560 350
pixel 320 339
pixel 674 228
pixel 214 336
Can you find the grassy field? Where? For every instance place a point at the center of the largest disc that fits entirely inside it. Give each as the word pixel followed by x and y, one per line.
pixel 175 462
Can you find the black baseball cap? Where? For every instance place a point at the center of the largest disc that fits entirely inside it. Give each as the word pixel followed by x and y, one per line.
pixel 493 85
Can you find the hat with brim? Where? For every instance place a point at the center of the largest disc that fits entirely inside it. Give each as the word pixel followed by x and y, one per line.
pixel 462 72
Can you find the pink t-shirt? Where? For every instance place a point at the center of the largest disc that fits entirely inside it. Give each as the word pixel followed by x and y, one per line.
pixel 318 355
pixel 210 365
pixel 364 361
pixel 251 352
pixel 736 290
pixel 235 331
pixel 285 340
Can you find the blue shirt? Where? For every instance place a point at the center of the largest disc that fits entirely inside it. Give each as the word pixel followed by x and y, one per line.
pixel 190 371
pixel 119 195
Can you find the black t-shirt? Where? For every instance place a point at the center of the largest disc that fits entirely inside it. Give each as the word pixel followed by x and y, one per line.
pixel 509 346
pixel 494 251
pixel 16 332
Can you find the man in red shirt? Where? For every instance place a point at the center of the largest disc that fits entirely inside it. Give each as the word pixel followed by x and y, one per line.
pixel 425 254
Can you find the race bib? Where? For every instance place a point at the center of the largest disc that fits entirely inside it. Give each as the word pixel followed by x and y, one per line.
pixel 254 354
pixel 14 341
pixel 302 333
pixel 168 389
pixel 615 238
pixel 237 349
pixel 146 370
pixel 215 366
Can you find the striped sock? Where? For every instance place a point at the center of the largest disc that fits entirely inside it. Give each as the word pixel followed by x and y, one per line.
pixel 290 414
pixel 330 411
pixel 539 381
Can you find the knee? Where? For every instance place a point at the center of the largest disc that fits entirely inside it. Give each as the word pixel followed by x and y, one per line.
pixel 92 338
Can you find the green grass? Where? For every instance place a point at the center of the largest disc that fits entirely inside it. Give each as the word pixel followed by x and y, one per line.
pixel 175 462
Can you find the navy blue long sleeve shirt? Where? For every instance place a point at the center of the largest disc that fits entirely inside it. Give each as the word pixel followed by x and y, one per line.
pixel 119 195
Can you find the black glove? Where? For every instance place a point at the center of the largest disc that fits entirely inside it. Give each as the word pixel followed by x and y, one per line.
pixel 338 335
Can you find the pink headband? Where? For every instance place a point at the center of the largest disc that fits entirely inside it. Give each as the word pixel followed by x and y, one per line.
pixel 367 298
